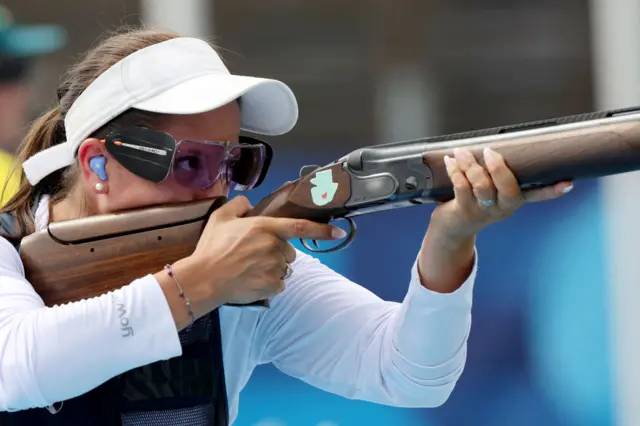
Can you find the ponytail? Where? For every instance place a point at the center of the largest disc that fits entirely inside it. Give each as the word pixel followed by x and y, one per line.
pixel 46 131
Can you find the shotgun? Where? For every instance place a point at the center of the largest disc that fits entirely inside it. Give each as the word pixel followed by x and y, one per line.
pixel 87 257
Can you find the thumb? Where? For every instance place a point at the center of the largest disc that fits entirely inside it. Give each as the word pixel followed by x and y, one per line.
pixel 233 209
pixel 548 192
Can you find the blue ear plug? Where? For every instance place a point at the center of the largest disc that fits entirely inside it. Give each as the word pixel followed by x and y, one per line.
pixel 97 165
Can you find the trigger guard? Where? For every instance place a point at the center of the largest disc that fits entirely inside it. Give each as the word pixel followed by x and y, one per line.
pixel 350 237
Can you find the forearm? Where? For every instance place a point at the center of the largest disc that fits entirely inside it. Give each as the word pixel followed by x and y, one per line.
pixel 53 354
pixel 444 264
pixel 426 342
pixel 350 342
pixel 189 276
pixel 432 328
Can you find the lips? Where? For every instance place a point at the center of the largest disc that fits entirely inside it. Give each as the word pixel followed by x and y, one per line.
pixel 325 195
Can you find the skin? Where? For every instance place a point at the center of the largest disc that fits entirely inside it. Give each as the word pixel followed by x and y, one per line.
pixel 447 252
pixel 222 124
pixel 236 260
pixel 247 259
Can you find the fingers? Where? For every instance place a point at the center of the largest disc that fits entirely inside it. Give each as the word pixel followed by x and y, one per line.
pixel 461 187
pixel 288 271
pixel 288 229
pixel 480 181
pixel 548 192
pixel 289 252
pixel 281 259
pixel 475 184
pixel 507 187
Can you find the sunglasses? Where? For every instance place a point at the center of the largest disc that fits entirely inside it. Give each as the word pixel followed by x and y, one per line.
pixel 155 156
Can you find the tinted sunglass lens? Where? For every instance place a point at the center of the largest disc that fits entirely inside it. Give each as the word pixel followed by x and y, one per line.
pixel 246 167
pixel 197 165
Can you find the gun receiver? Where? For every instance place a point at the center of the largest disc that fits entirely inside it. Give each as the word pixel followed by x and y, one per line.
pixel 408 173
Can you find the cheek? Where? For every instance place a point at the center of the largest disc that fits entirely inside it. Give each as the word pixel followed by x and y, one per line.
pixel 135 195
pixel 216 190
pixel 127 191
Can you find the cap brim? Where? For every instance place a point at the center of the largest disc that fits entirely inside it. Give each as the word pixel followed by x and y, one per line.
pixel 269 107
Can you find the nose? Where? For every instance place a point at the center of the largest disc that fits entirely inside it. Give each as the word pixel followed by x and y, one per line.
pixel 219 188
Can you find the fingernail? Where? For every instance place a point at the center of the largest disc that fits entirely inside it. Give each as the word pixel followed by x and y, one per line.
pixel 490 156
pixel 338 233
pixel 462 154
pixel 449 163
pixel 567 188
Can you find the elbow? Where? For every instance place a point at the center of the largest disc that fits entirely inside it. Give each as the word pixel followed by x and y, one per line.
pixel 11 399
pixel 14 398
pixel 443 387
pixel 437 397
pixel 421 395
pixel 414 386
pixel 17 383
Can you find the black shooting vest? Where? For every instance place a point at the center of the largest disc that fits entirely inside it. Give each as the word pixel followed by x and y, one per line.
pixel 186 390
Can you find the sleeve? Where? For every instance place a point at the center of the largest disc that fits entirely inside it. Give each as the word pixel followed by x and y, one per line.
pixel 339 337
pixel 50 354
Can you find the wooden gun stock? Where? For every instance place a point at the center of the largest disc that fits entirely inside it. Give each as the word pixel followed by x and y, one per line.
pixel 546 158
pixel 84 258
pixel 88 257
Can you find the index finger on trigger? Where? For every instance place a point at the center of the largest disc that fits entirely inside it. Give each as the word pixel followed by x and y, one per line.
pixel 288 229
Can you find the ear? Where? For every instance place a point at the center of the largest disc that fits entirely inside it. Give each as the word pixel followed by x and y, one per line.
pixel 89 149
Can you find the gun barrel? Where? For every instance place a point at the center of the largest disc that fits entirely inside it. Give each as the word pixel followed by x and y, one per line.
pixel 539 153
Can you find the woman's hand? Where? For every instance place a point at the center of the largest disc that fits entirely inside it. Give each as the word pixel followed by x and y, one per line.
pixel 482 197
pixel 241 260
pixel 485 196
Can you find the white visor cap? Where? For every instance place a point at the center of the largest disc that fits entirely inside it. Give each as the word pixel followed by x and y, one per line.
pixel 180 76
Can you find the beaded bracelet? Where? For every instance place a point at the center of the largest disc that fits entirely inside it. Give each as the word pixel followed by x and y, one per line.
pixel 186 298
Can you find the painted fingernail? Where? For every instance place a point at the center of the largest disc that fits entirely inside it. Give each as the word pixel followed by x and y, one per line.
pixel 490 156
pixel 449 163
pixel 567 188
pixel 338 233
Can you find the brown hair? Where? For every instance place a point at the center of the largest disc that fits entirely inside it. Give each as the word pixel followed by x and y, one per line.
pixel 48 129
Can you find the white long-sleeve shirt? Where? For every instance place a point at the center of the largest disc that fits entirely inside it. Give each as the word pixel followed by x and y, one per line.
pixel 323 329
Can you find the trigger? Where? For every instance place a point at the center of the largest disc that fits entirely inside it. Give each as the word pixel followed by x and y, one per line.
pixel 350 237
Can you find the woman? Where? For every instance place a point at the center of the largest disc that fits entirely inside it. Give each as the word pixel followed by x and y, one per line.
pixel 187 355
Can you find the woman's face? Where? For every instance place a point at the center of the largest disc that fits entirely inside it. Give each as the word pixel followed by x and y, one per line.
pixel 123 190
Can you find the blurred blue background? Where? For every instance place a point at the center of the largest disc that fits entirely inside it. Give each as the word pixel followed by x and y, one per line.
pixel 553 335
pixel 538 348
